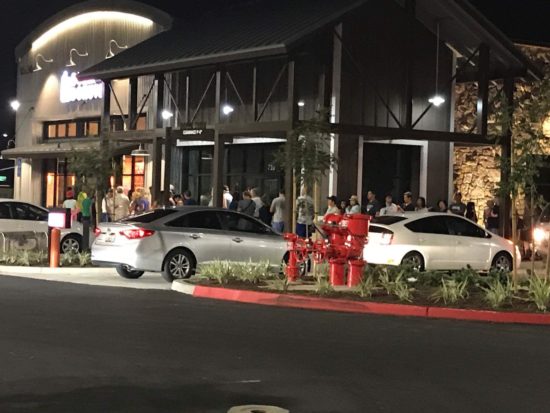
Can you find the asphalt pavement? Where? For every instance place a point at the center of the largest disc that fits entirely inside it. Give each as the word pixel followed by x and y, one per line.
pixel 74 348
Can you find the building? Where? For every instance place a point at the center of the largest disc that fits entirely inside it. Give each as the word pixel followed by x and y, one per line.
pixel 222 91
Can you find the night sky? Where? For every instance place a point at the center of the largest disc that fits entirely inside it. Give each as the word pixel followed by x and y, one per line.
pixel 523 20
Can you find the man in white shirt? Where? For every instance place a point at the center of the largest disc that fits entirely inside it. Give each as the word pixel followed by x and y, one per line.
pixel 332 207
pixel 278 211
pixel 254 192
pixel 354 207
pixel 122 204
pixel 305 210
pixel 389 208
pixel 227 197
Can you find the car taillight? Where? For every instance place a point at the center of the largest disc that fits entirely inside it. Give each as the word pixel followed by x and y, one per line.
pixel 386 238
pixel 97 232
pixel 137 233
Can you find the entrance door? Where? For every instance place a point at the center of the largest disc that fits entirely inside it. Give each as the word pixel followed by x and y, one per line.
pixel 391 169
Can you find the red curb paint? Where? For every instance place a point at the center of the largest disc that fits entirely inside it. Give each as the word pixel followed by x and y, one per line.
pixel 362 307
pixel 490 316
pixel 312 303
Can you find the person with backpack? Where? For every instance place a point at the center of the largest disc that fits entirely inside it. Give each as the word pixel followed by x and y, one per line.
pixel 246 205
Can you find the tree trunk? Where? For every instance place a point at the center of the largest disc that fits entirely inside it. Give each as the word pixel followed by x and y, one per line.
pixel 531 226
pixel 514 236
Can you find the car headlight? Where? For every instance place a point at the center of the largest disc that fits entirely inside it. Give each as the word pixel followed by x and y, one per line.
pixel 539 235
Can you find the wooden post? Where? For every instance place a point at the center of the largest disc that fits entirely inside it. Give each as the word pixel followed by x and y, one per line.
pixel 219 150
pixel 167 164
pixel 133 109
pixel 483 89
pixel 293 113
pixel 410 6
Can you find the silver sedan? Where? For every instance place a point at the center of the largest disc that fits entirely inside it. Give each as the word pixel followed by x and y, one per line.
pixel 174 241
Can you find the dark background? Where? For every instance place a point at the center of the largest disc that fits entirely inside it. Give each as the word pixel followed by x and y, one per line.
pixel 521 20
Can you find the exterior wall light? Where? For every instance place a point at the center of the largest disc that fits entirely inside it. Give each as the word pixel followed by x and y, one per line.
pixel 166 114
pixel 227 109
pixel 139 152
pixel 112 42
pixel 301 103
pixel 37 66
pixel 71 61
pixel 437 100
pixel 15 105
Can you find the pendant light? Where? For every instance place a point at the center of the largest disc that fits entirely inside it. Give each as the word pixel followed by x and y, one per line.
pixel 437 99
pixel 139 151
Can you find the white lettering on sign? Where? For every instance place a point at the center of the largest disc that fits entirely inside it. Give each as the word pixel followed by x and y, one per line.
pixel 72 90
pixel 187 132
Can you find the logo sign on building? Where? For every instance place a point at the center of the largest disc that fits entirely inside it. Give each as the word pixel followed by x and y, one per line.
pixel 73 90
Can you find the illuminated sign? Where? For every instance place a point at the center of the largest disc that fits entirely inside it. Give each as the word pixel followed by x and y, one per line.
pixel 59 218
pixel 73 90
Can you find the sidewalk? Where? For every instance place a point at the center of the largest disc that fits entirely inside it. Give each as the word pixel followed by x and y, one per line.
pixel 106 277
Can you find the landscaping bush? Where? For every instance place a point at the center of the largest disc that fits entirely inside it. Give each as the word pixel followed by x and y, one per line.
pixel 367 286
pixel 539 292
pixel 451 291
pixel 497 292
pixel 219 271
pixel 323 287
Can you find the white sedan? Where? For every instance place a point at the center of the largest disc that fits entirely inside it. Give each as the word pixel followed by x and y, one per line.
pixel 18 217
pixel 437 241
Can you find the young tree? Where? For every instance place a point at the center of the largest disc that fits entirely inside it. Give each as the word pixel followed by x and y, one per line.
pixel 93 169
pixel 528 146
pixel 307 152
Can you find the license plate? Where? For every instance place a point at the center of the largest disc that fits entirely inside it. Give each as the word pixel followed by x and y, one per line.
pixel 110 238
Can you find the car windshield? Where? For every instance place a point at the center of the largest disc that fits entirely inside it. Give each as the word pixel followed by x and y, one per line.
pixel 387 220
pixel 149 216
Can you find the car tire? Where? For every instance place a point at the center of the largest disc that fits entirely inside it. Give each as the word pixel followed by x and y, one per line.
pixel 415 260
pixel 71 242
pixel 125 272
pixel 178 264
pixel 502 262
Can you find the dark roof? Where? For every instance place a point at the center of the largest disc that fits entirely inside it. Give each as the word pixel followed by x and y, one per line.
pixel 259 28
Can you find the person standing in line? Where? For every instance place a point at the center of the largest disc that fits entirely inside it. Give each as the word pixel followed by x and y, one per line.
pixel 373 205
pixel 265 214
pixel 354 207
pixel 235 201
pixel 390 208
pixel 421 204
pixel 493 217
pixel 332 206
pixel 471 212
pixel 188 200
pixel 246 205
pixel 254 193
pixel 458 207
pixel 442 206
pixel 407 205
pixel 70 203
pixel 305 212
pixel 227 197
pixel 122 204
pixel 107 206
pixel 278 210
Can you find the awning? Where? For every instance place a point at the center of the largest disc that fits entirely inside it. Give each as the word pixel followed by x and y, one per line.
pixel 60 150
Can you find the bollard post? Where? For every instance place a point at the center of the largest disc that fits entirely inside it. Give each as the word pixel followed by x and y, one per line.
pixel 54 247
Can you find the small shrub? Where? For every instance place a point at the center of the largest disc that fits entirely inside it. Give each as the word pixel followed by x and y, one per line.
pixel 539 292
pixel 23 259
pixel 68 259
pixel 323 287
pixel 281 283
pixel 451 291
pixel 84 258
pixel 366 287
pixel 385 280
pixel 321 270
pixel 401 289
pixel 497 292
pixel 219 271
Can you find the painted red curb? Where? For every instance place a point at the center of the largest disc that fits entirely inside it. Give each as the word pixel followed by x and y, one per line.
pixel 362 307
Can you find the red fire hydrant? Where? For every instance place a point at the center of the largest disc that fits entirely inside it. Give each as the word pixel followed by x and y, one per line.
pixel 295 247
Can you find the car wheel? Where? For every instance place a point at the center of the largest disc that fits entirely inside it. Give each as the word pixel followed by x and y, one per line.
pixel 71 243
pixel 179 264
pixel 125 272
pixel 415 260
pixel 502 262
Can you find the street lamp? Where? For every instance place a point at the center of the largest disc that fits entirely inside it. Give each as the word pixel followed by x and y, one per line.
pixel 227 109
pixel 166 114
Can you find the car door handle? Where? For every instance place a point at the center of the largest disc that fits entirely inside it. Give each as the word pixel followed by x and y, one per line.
pixel 238 240
pixel 195 236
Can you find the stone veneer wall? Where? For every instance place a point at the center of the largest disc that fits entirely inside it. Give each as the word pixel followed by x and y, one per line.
pixel 476 175
pixel 476 171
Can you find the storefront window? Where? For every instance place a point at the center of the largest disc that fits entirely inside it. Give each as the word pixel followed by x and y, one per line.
pixel 71 129
pixel 133 172
pixel 58 182
pixel 92 129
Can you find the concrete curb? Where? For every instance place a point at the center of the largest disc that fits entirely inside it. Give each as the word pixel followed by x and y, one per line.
pixel 360 307
pixel 16 270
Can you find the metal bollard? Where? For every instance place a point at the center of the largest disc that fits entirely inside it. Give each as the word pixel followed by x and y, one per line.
pixel 54 247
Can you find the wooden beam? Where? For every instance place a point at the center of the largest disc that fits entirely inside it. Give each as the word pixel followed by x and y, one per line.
pixel 160 99
pixel 167 166
pixel 137 136
pixel 157 168
pixel 483 89
pixel 408 44
pixel 254 128
pixel 374 133
pixel 133 106
pixel 106 112
pixel 293 115
pixel 506 148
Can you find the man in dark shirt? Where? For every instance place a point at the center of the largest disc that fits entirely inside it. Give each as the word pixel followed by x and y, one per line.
pixel 372 207
pixel 188 199
pixel 458 207
pixel 407 202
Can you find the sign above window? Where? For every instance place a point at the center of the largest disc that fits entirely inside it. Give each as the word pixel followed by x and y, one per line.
pixel 73 90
